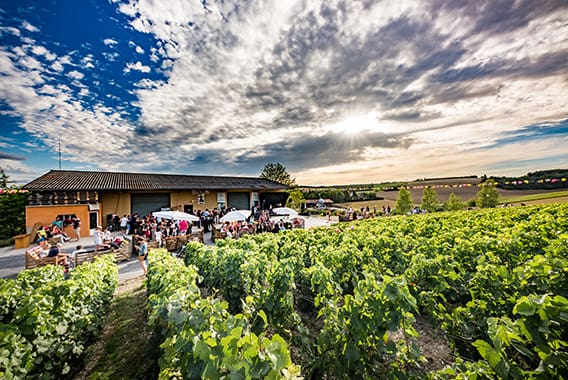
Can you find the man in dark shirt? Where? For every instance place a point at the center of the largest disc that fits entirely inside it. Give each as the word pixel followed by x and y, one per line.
pixel 54 250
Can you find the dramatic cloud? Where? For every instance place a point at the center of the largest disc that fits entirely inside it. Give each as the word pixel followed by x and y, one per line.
pixel 11 157
pixel 335 90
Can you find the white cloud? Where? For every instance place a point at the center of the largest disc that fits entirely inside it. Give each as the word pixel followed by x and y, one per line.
pixel 65 60
pixel 29 27
pixel 75 75
pixel 57 66
pixel 46 109
pixel 111 56
pixel 110 42
pixel 30 63
pixel 11 30
pixel 42 51
pixel 47 89
pixel 139 50
pixel 87 61
pixel 39 50
pixel 136 66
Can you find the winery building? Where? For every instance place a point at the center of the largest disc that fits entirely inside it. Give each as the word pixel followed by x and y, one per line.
pixel 96 196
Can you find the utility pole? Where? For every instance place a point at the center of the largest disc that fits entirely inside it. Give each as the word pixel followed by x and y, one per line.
pixel 60 153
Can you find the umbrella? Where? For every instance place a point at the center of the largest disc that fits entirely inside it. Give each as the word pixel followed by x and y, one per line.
pixel 236 216
pixel 175 215
pixel 284 211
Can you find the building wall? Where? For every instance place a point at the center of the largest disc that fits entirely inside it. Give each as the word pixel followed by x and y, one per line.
pixel 46 215
pixel 181 198
pixel 115 203
pixel 119 203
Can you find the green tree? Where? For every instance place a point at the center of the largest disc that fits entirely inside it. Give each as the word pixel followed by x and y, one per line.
pixel 278 173
pixel 488 195
pixel 454 203
pixel 296 198
pixel 430 200
pixel 12 209
pixel 3 179
pixel 404 202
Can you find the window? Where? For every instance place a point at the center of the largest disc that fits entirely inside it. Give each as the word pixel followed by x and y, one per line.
pixel 66 218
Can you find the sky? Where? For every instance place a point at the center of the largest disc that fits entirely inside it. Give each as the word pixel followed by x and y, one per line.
pixel 338 92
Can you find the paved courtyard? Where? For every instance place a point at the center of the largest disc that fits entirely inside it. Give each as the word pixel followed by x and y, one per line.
pixel 12 260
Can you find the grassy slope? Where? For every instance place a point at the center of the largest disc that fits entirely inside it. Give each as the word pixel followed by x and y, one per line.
pixel 535 197
pixel 127 349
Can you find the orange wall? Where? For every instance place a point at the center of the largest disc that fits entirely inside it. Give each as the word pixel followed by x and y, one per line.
pixel 46 215
pixel 114 203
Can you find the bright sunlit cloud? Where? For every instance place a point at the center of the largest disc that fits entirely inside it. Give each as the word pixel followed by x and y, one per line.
pixel 354 125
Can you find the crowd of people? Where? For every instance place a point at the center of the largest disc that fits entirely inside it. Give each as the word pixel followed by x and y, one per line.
pixel 54 231
pixel 259 223
pixel 50 238
pixel 158 229
pixel 365 212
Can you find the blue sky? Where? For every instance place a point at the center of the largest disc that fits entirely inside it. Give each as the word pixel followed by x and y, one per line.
pixel 337 91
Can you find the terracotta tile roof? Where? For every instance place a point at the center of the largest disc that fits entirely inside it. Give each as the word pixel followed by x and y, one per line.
pixel 69 180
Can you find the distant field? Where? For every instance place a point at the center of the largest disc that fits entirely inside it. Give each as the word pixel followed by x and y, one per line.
pixel 536 197
pixel 466 192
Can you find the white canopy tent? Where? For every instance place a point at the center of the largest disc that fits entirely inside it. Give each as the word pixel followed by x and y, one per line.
pixel 285 211
pixel 175 215
pixel 236 216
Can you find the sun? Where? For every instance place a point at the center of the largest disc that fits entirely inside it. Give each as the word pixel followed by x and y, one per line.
pixel 354 125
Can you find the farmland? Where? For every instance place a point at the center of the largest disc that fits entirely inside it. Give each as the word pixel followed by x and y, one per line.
pixel 346 301
pixel 466 189
pixel 468 294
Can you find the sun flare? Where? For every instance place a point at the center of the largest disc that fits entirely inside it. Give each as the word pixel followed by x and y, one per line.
pixel 354 125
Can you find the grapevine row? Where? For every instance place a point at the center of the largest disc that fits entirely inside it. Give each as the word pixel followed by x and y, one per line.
pixel 340 294
pixel 46 321
pixel 201 338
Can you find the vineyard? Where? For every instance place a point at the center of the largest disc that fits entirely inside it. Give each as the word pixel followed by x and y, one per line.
pixel 349 301
pixel 343 302
pixel 47 320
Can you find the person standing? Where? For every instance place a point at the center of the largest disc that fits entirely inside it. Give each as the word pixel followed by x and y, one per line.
pixel 124 224
pixel 142 254
pixel 77 227
pixel 158 235
pixel 98 238
pixel 182 224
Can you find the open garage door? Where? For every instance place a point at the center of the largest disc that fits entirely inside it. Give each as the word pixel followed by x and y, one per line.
pixel 143 204
pixel 273 199
pixel 240 201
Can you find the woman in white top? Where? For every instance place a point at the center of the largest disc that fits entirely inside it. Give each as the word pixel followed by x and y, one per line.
pixel 98 238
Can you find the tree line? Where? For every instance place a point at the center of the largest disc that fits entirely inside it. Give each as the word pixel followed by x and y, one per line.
pixel 485 198
pixel 12 210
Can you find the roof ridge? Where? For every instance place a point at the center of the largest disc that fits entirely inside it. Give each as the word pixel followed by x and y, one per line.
pixel 108 180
